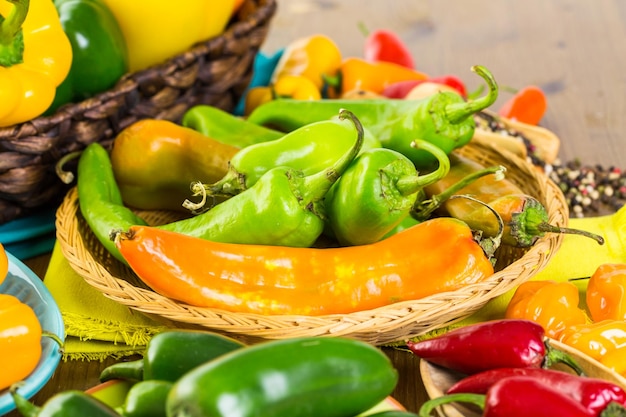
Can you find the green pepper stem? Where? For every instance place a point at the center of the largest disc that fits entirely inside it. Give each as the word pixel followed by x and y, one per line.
pixel 11 39
pixel 425 209
pixel 412 184
pixel 317 185
pixel 23 406
pixel 427 408
pixel 544 227
pixel 458 112
pixel 554 356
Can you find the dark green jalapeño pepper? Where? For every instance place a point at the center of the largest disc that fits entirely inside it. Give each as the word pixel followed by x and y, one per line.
pixel 283 208
pixel 170 354
pixel 99 55
pixel 444 119
pixel 310 149
pixel 71 403
pixel 146 399
pixel 377 192
pixel 227 128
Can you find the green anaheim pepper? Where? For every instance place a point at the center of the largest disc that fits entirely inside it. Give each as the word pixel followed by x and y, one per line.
pixel 99 55
pixel 444 119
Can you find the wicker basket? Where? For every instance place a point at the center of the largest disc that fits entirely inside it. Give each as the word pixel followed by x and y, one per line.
pixel 215 72
pixel 378 326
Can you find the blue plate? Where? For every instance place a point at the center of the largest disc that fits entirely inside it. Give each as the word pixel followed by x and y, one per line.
pixel 22 283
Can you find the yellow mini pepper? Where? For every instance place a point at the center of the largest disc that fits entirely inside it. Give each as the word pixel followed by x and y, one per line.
pixel 156 30
pixel 4 264
pixel 297 87
pixel 606 292
pixel 596 339
pixel 35 57
pixel 554 305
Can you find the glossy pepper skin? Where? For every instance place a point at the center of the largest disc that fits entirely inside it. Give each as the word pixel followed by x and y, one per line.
pixel 155 162
pixel 491 344
pixel 170 354
pixel 525 218
pixel 444 119
pixel 35 57
pixel 596 339
pixel 317 376
pixel 147 399
pixel 307 149
pixel 377 192
pixel 552 304
pixel 592 393
pixel 385 45
pixel 606 292
pixel 308 281
pixel 20 340
pixel 70 403
pixel 226 128
pixel 99 54
pixel 516 396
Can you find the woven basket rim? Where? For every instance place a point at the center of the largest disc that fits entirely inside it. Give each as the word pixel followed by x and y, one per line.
pixel 377 326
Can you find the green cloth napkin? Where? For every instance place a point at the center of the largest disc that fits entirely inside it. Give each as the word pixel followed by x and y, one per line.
pixel 96 326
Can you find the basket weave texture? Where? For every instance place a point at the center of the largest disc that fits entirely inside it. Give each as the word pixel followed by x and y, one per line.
pixel 383 325
pixel 215 72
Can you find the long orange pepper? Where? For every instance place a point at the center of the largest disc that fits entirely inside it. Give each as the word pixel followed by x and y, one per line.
pixel 552 304
pixel 596 339
pixel 431 257
pixel 606 292
pixel 359 74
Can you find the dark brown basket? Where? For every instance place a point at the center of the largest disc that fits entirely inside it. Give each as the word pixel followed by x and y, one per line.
pixel 215 72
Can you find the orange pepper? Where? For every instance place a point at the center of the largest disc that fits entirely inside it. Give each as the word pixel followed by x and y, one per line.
pixel 257 96
pixel 527 105
pixel 552 304
pixel 314 57
pixel 262 279
pixel 20 340
pixel 359 74
pixel 615 360
pixel 4 264
pixel 606 292
pixel 596 339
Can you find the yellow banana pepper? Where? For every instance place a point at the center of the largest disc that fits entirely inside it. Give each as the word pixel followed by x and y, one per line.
pixel 35 57
pixel 156 30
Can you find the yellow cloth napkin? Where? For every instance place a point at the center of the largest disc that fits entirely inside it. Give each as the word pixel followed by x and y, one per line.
pixel 96 326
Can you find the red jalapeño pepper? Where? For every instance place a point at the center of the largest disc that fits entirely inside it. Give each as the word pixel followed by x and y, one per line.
pixel 492 344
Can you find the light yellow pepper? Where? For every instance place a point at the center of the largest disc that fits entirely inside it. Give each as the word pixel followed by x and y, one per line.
pixel 35 57
pixel 156 30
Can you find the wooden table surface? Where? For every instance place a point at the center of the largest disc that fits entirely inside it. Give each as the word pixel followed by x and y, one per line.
pixel 574 50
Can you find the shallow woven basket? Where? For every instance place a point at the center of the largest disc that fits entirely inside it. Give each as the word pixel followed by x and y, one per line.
pixel 214 72
pixel 383 325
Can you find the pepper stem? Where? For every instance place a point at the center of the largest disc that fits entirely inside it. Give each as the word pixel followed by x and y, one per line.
pixel 317 185
pixel 427 408
pixel 23 406
pixel 412 184
pixel 11 37
pixel 554 356
pixel 458 112
pixel 548 228
pixel 426 208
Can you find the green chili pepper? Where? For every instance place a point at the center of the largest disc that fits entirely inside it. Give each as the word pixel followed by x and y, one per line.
pixel 444 119
pixel 227 128
pixel 310 149
pixel 377 192
pixel 170 354
pixel 146 399
pixel 71 403
pixel 99 55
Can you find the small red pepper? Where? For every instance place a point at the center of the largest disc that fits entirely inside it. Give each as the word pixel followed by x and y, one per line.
pixel 385 45
pixel 504 343
pixel 402 88
pixel 527 105
pixel 517 396
pixel 593 393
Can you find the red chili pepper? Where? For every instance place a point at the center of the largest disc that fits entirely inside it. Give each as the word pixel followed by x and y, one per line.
pixel 517 396
pixel 402 88
pixel 593 393
pixel 385 45
pixel 505 343
pixel 527 105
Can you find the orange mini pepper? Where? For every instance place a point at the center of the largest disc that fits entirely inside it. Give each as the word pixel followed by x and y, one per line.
pixel 552 304
pixel 4 264
pixel 596 339
pixel 606 292
pixel 528 105
pixel 20 340
pixel 615 360
pixel 297 87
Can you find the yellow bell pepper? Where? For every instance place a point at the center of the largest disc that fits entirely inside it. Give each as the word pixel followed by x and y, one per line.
pixel 35 57
pixel 606 292
pixel 156 30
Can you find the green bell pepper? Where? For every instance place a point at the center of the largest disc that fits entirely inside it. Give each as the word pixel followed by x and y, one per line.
pixel 99 55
